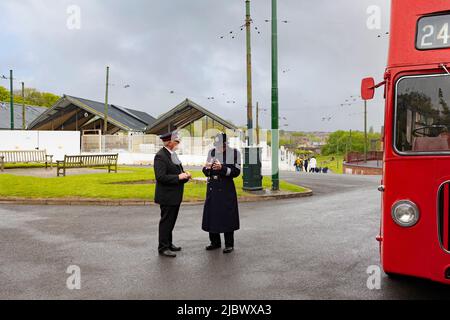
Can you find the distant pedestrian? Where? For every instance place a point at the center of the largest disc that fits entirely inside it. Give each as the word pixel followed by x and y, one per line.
pixel 298 164
pixel 312 164
pixel 305 164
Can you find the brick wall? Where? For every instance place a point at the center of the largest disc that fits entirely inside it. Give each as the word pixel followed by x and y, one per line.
pixel 359 170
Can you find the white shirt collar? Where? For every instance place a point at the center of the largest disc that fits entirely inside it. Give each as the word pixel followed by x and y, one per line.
pixel 171 152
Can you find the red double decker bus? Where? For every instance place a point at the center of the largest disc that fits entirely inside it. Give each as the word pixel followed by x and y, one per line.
pixel 415 224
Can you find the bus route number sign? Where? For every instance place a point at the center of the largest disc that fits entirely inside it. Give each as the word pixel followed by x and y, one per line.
pixel 433 32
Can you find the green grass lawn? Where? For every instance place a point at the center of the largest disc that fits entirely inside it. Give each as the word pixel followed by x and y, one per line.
pixel 102 186
pixel 334 165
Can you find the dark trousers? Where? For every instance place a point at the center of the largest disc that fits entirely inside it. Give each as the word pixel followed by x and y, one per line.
pixel 215 239
pixel 169 215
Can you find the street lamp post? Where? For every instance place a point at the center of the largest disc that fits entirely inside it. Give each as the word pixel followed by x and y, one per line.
pixel 257 123
pixel 275 119
pixel 11 98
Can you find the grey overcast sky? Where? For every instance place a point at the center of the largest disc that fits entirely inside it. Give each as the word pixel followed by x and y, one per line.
pixel 159 46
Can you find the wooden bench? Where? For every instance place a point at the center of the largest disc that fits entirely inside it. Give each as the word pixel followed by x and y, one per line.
pixel 26 156
pixel 87 161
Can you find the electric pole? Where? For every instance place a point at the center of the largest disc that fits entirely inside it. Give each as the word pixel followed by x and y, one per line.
pixel 275 119
pixel 24 123
pixel 11 98
pixel 351 141
pixel 252 156
pixel 105 125
pixel 248 21
pixel 337 155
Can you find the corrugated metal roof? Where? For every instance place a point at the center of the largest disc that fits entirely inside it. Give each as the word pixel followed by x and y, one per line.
pixel 142 115
pixel 182 115
pixel 31 113
pixel 125 118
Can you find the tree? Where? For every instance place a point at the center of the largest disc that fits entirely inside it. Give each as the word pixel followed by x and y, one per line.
pixel 32 97
pixel 445 109
pixel 4 94
pixel 340 142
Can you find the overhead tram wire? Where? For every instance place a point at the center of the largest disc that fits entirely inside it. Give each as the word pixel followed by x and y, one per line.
pixel 234 33
pixel 384 35
pixel 208 98
pixel 351 101
pixel 3 77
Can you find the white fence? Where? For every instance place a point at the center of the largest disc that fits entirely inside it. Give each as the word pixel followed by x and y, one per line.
pixel 132 150
pixel 141 150
pixel 56 143
pixel 146 144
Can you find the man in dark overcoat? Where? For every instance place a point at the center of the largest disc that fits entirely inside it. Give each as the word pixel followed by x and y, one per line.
pixel 221 212
pixel 170 180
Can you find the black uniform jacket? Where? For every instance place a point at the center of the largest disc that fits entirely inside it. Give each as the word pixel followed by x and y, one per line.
pixel 169 189
pixel 221 212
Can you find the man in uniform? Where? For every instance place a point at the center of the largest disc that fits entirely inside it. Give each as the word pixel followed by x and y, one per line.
pixel 221 213
pixel 170 180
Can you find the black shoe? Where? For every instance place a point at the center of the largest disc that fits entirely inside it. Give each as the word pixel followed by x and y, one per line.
pixel 212 247
pixel 174 248
pixel 228 250
pixel 167 253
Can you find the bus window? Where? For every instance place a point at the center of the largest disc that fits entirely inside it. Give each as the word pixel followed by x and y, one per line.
pixel 422 122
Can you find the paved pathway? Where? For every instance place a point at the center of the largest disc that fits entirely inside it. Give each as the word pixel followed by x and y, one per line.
pixel 311 248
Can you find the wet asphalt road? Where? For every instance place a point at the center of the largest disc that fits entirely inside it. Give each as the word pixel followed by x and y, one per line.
pixel 311 248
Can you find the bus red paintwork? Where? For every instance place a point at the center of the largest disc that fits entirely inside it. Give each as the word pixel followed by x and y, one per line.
pixel 414 251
